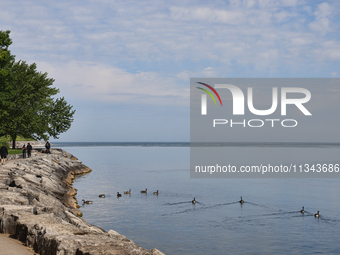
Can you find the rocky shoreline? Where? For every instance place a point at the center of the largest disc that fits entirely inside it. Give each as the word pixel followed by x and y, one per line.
pixel 37 206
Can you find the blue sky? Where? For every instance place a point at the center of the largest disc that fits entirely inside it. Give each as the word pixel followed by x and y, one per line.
pixel 125 65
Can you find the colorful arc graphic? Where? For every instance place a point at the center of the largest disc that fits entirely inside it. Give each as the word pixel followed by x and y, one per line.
pixel 210 93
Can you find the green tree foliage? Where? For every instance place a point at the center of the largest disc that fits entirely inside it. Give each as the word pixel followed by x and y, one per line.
pixel 28 106
pixel 5 54
pixel 5 61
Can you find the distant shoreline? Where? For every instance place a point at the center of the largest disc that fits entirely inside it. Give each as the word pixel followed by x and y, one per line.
pixel 201 144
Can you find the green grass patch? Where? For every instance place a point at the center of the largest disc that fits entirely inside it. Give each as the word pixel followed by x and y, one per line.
pixel 6 139
pixel 15 151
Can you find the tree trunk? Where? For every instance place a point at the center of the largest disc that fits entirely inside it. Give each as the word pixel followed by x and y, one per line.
pixel 13 139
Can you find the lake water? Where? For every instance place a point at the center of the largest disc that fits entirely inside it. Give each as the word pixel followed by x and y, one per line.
pixel 269 222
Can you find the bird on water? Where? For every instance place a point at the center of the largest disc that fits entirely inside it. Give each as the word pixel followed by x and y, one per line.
pixel 144 191
pixel 156 193
pixel 194 201
pixel 127 192
pixel 303 210
pixel 102 195
pixel 87 201
pixel 119 195
pixel 241 201
pixel 317 215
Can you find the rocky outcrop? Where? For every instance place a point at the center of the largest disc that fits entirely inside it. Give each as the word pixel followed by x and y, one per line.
pixel 17 156
pixel 38 207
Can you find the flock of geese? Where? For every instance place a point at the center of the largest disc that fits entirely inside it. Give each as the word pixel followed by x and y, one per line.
pixel 119 195
pixel 316 215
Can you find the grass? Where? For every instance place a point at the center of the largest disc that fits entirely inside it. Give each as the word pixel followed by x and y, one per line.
pixel 15 151
pixel 6 139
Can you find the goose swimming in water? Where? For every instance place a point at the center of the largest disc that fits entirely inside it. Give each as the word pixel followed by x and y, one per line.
pixel 156 193
pixel 144 191
pixel 87 201
pixel 317 215
pixel 119 195
pixel 102 195
pixel 193 201
pixel 241 201
pixel 127 192
pixel 303 210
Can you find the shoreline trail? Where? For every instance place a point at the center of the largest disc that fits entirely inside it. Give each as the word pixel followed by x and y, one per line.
pixel 10 246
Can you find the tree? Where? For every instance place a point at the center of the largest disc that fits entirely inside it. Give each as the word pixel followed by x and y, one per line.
pixel 28 105
pixel 5 61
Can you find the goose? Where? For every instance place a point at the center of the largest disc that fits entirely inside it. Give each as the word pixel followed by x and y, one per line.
pixel 194 201
pixel 156 193
pixel 102 195
pixel 127 192
pixel 317 215
pixel 241 201
pixel 119 195
pixel 303 210
pixel 144 191
pixel 87 201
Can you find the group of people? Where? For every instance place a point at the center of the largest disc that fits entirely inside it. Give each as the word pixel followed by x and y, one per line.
pixel 28 149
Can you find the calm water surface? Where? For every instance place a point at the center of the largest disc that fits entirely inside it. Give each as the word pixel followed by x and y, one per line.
pixel 269 222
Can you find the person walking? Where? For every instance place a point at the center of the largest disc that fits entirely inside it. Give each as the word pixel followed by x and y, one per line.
pixel 4 153
pixel 29 149
pixel 24 151
pixel 48 146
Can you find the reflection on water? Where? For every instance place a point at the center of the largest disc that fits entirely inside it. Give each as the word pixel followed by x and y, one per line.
pixel 268 222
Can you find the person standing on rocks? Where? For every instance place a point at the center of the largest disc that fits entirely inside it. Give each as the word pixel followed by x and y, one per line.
pixel 4 153
pixel 24 151
pixel 29 149
pixel 48 146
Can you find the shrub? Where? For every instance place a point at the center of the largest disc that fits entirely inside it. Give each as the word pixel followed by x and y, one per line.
pixel 4 142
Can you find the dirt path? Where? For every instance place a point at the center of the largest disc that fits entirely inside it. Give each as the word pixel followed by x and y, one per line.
pixel 10 246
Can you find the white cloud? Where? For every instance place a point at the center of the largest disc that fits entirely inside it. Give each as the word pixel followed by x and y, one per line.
pixel 233 38
pixel 99 82
pixel 249 3
pixel 283 16
pixel 331 50
pixel 300 41
pixel 207 14
pixel 323 10
pixel 208 72
pixel 289 2
pixel 322 23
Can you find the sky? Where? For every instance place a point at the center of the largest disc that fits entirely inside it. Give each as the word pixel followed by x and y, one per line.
pixel 125 66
